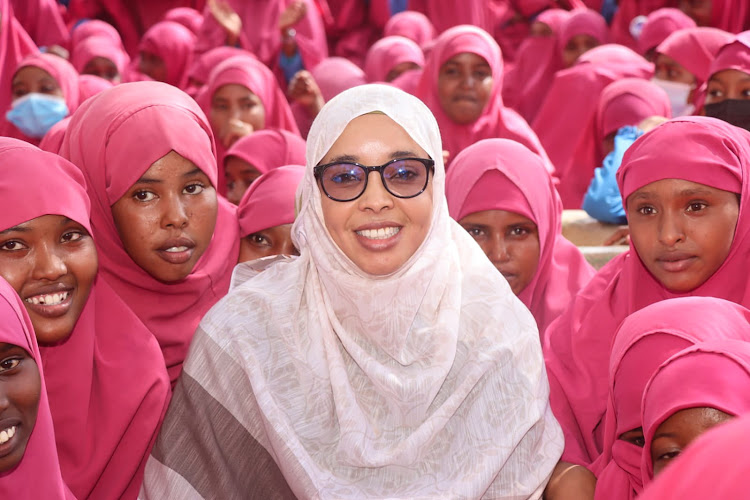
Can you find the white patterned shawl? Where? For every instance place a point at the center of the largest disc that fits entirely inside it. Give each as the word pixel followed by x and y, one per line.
pixel 315 380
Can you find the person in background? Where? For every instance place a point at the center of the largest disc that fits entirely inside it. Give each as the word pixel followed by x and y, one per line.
pixel 583 30
pixel 728 88
pixel 99 56
pixel 166 53
pixel 658 26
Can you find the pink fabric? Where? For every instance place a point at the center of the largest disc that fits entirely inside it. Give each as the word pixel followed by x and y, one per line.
pixel 174 44
pixel 734 55
pixel 575 94
pixel 445 15
pixel 730 15
pixel 99 46
pixel 528 190
pixel 712 374
pixel 52 140
pixel 38 475
pixel 335 75
pixel 107 386
pixel 15 45
pixel 114 139
pixel 94 27
pixel 497 121
pixel 42 20
pixel 694 49
pixel 628 102
pixel 662 23
pixel 269 202
pixel 389 52
pixel 584 22
pixel 410 24
pixel 576 346
pixel 627 11
pixel 408 81
pixel 189 18
pixel 539 59
pixel 90 85
pixel 269 149
pixel 203 64
pixel 348 29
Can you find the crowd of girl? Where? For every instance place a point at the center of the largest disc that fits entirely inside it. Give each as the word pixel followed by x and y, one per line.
pixel 313 249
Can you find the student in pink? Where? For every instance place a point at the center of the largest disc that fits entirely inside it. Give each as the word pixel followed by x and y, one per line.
pixel 680 185
pixel 392 56
pixel 166 52
pixel 410 24
pixel 583 30
pixel 100 56
pixel 660 24
pixel 501 194
pixel 461 84
pixel 186 16
pixel 167 242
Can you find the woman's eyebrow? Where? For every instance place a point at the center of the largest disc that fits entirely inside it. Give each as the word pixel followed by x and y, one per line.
pixel 404 154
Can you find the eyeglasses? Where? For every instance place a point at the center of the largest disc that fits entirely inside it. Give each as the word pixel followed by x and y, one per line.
pixel 403 178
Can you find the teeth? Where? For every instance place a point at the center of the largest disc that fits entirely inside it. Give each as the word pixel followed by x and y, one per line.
pixel 379 234
pixel 7 434
pixel 48 299
pixel 176 249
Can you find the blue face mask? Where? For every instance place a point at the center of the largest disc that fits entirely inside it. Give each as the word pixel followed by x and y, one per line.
pixel 34 114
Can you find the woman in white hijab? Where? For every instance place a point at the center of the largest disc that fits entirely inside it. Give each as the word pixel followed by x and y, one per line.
pixel 388 360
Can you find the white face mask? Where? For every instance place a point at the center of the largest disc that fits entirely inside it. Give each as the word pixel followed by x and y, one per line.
pixel 678 93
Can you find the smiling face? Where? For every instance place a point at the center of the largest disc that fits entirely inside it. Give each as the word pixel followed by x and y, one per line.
pixel 166 219
pixel 239 176
pixel 464 87
pixel 103 68
pixel 51 263
pixel 682 230
pixel 576 47
pixel 20 389
pixel 236 102
pixel 275 240
pixel 32 79
pixel 510 241
pixel 377 231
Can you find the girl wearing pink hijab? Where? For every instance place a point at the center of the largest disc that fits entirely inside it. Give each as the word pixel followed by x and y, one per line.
pixel 727 89
pixel 104 373
pixel 266 214
pixel 680 186
pixel 167 243
pixel 391 56
pixel 645 340
pixel 660 24
pixel 257 154
pixel 45 90
pixel 186 16
pixel 166 52
pixel 410 24
pixel 500 192
pixel 30 468
pixel 461 84
pixel 583 30
pixel 100 56
pixel 95 27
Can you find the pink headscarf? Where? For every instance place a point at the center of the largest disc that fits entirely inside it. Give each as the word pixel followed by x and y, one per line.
pixel 38 475
pixel 584 22
pixel 538 60
pixel 269 149
pixel 734 55
pixel 413 25
pixel 335 75
pixel 730 15
pixel 627 11
pixel 389 52
pixel 114 139
pixel 186 16
pixel 500 174
pixel 574 94
pixel 15 45
pixel 628 102
pixel 42 21
pixel 52 140
pixel 645 340
pixel 712 374
pixel 660 24
pixel 269 202
pixel 576 346
pixel 496 121
pixel 99 46
pixel 203 64
pixel 174 44
pixel 90 85
pixel 694 49
pixel 107 386
pixel 94 27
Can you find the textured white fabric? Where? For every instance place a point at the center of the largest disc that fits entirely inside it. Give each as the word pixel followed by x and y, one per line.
pixel 426 383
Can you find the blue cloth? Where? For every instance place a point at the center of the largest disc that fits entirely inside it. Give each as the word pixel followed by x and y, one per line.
pixel 290 65
pixel 603 201
pixel 397 6
pixel 608 10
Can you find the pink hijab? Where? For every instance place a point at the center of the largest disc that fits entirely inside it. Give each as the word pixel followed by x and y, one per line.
pixel 660 24
pixel 712 374
pixel 114 139
pixel 90 85
pixel 186 16
pixel 42 20
pixel 107 386
pixel 94 27
pixel 577 345
pixel 627 11
pixel 628 102
pixel 645 340
pixel 496 121
pixel 694 49
pixel 584 22
pixel 500 174
pixel 410 24
pixel 335 75
pixel 15 45
pixel 269 202
pixel 389 52
pixel 38 475
pixel 202 65
pixel 574 94
pixel 99 46
pixel 734 55
pixel 174 44
pixel 269 149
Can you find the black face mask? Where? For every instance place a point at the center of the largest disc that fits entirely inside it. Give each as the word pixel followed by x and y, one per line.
pixel 734 111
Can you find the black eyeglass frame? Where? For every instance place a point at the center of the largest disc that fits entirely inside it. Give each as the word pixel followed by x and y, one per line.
pixel 429 164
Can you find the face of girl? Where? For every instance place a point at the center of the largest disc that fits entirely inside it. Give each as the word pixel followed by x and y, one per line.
pixel 699 10
pixel 667 68
pixel 167 218
pixel 679 430
pixel 511 242
pixel 239 176
pixel 20 389
pixel 275 240
pixel 103 68
pixel 153 66
pixel 464 86
pixel 32 79
pixel 238 103
pixel 728 84
pixel 576 47
pixel 682 230
pixel 354 226
pixel 51 263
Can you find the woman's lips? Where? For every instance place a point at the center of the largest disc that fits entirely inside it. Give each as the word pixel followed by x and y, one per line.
pixel 177 251
pixel 675 263
pixel 50 305
pixel 379 236
pixel 9 437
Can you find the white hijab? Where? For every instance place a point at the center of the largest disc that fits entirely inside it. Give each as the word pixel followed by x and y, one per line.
pixel 426 383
